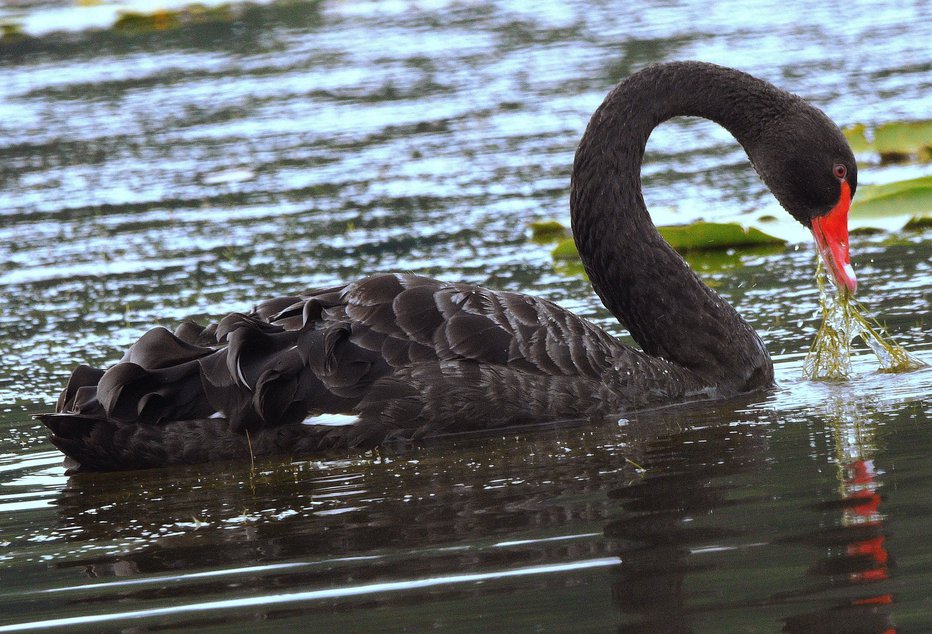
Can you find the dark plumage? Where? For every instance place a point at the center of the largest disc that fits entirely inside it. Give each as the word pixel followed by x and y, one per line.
pixel 412 357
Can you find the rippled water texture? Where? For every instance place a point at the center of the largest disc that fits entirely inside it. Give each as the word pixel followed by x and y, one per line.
pixel 151 176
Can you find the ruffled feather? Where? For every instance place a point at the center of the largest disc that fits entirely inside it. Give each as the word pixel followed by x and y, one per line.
pixel 409 355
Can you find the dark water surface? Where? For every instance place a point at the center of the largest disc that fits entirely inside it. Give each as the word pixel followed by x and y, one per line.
pixel 151 177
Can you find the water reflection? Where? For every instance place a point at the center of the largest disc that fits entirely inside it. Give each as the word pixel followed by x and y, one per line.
pixel 679 520
pixel 675 530
pixel 665 523
pixel 854 562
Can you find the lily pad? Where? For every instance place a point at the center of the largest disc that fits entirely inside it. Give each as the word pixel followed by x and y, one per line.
pixel 894 141
pixel 857 138
pixel 901 140
pixel 698 236
pixel 544 231
pixel 710 236
pixel 919 223
pixel 565 250
pixel 10 30
pixel 911 197
pixel 166 19
pixel 158 21
pixel 570 268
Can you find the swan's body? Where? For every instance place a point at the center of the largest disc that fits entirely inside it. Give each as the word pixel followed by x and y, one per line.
pixel 411 357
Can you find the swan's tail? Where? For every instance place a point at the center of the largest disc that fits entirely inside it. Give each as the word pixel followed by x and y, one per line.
pixel 237 388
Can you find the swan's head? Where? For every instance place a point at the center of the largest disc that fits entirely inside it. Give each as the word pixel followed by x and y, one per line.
pixel 807 163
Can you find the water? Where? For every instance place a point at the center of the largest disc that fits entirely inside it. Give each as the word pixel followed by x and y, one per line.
pixel 151 177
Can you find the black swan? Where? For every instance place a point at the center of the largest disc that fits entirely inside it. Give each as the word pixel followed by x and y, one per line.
pixel 412 357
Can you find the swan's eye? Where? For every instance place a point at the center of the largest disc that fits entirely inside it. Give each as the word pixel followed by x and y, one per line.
pixel 840 171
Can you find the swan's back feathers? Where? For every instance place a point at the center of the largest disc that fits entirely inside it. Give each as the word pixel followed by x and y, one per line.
pixel 409 355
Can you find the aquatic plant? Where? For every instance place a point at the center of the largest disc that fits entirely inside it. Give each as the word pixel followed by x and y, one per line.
pixel 844 319
pixel 911 197
pixel 544 231
pixel 894 142
pixel 696 236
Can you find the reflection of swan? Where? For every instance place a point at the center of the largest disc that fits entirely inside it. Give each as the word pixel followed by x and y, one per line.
pixel 731 523
pixel 411 356
pixel 855 546
pixel 670 514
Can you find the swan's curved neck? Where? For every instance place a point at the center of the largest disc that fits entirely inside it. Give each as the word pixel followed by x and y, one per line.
pixel 641 280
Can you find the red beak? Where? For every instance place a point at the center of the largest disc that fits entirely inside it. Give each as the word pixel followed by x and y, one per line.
pixel 831 236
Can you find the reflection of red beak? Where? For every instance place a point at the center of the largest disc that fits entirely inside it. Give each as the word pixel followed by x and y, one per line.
pixel 831 236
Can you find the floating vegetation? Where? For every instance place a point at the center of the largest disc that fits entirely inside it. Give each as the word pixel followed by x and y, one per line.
pixel 856 135
pixel 895 142
pixel 695 237
pixel 11 32
pixel 164 19
pixel 918 223
pixel 120 23
pixel 912 197
pixel 157 21
pixel 713 236
pixel 843 319
pixel 565 250
pixel 544 231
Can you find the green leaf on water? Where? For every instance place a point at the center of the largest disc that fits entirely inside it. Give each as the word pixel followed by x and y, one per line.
pixel 711 236
pixel 544 231
pixel 132 22
pixel 911 197
pixel 857 138
pixel 144 22
pixel 698 236
pixel 570 268
pixel 11 32
pixel 894 141
pixel 565 250
pixel 918 223
pixel 899 141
